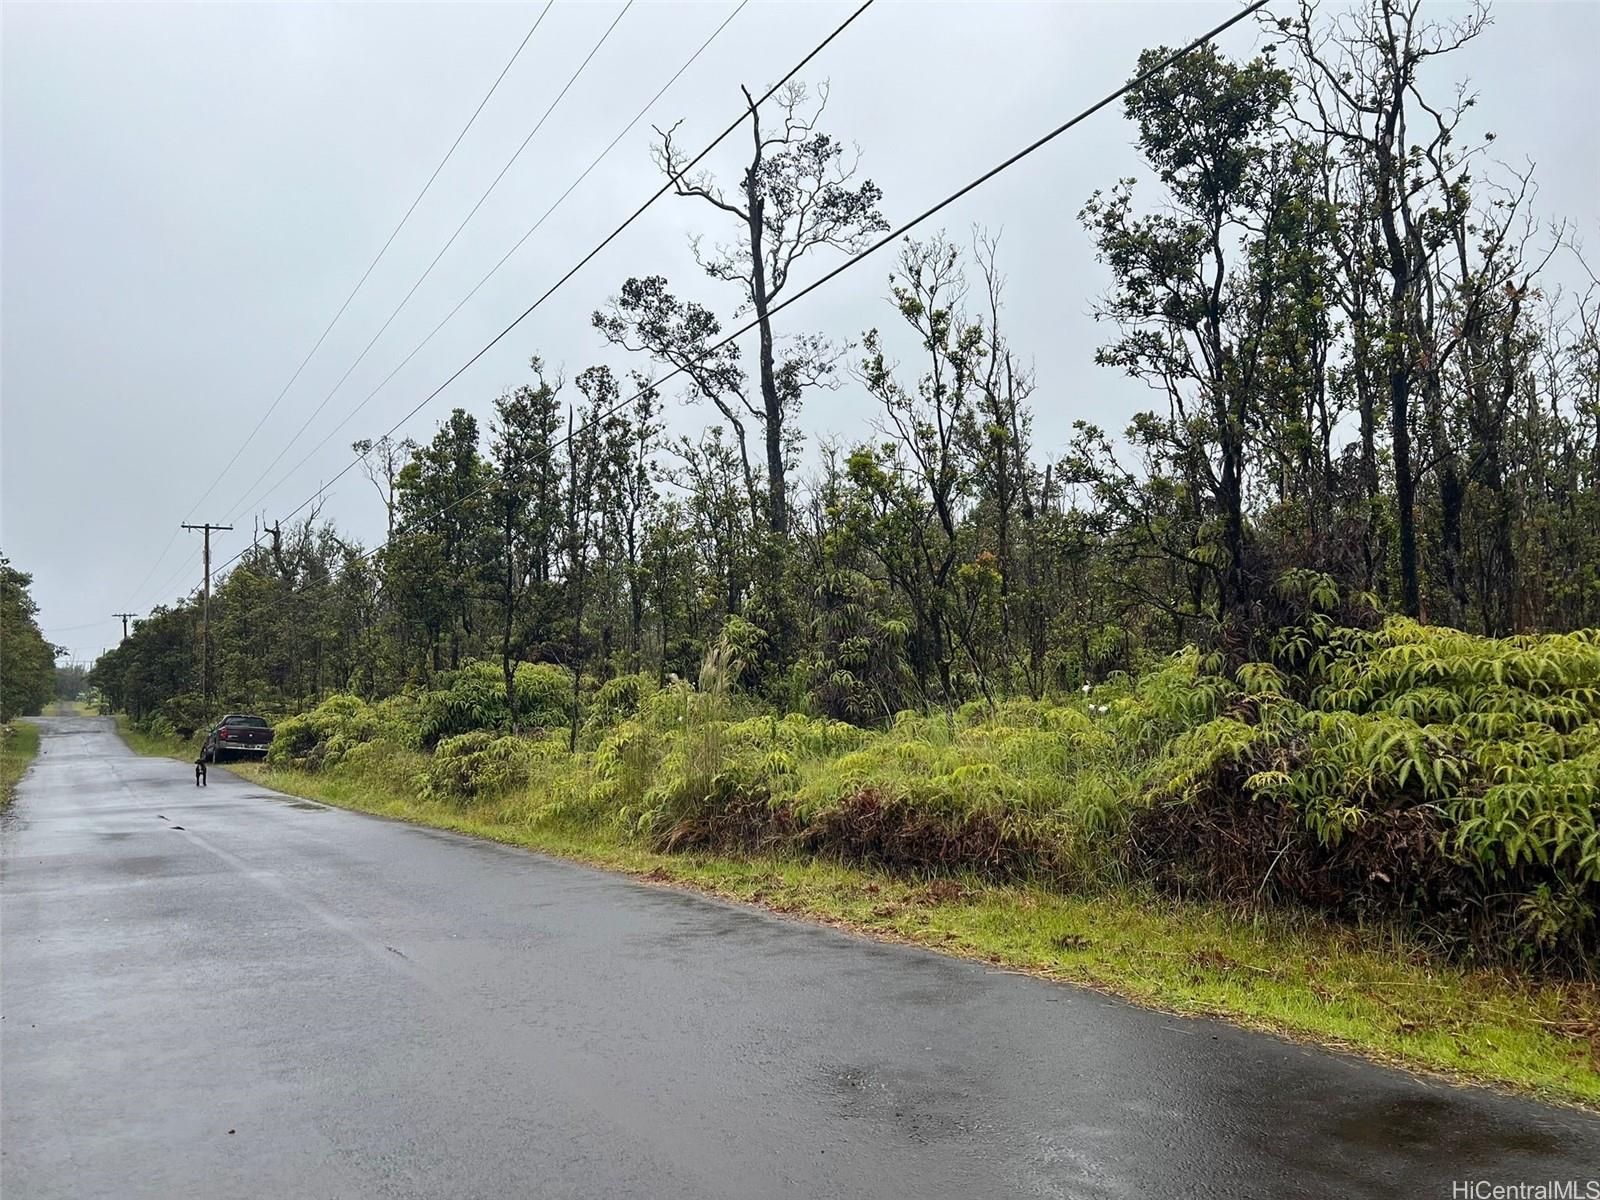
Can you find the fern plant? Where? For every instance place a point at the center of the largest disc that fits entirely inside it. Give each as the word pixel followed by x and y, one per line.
pixel 1495 744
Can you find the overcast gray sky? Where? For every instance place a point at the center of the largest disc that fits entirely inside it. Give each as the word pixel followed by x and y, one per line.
pixel 189 192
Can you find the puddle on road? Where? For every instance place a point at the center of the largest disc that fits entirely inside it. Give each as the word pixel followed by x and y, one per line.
pixel 1439 1126
pixel 287 801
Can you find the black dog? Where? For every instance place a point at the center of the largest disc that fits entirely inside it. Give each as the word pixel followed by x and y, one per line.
pixel 200 772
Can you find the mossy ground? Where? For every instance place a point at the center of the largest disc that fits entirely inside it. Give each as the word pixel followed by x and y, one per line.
pixel 1365 990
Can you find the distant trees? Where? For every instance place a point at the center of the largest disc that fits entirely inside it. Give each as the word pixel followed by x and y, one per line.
pixel 920 481
pixel 1361 378
pixel 27 660
pixel 71 681
pixel 443 539
pixel 1322 264
pixel 381 461
pixel 157 667
pixel 1364 96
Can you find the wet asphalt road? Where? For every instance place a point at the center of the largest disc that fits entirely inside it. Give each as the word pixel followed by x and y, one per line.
pixel 231 993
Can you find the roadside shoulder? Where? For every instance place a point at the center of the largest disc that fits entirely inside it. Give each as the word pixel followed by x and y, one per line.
pixel 19 745
pixel 1355 991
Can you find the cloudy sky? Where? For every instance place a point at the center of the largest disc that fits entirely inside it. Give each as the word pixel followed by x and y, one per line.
pixel 190 192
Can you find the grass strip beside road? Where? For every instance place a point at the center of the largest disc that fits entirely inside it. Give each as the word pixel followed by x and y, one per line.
pixel 19 743
pixel 154 744
pixel 1363 990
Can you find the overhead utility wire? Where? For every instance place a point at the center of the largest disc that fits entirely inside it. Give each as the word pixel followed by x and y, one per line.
pixel 183 569
pixel 606 241
pixel 243 501
pixel 504 258
pixel 73 628
pixel 887 238
pixel 359 283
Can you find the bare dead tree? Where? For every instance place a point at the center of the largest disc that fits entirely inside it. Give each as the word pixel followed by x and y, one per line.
pixel 798 194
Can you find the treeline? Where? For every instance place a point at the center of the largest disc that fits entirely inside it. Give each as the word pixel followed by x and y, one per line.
pixel 1217 652
pixel 1336 294
pixel 27 660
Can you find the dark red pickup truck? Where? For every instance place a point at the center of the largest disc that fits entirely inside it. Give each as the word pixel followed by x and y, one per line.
pixel 237 734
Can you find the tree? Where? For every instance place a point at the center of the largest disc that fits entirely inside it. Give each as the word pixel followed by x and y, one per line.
pixel 441 534
pixel 522 487
pixel 1361 75
pixel 1365 375
pixel 629 442
pixel 27 661
pixel 156 666
pixel 919 480
pixel 996 436
pixel 646 317
pixel 381 461
pixel 584 463
pixel 1198 294
pixel 796 195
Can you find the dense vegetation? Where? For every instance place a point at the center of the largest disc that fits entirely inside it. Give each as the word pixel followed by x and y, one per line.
pixel 27 660
pixel 1418 775
pixel 1318 630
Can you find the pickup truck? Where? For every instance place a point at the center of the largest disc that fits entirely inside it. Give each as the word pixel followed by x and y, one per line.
pixel 237 734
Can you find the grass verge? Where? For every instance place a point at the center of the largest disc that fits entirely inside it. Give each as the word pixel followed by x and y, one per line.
pixel 153 744
pixel 19 743
pixel 1362 990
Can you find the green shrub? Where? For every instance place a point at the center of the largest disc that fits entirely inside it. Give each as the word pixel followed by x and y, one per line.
pixel 399 718
pixel 386 765
pixel 1449 778
pixel 474 698
pixel 614 701
pixel 1035 785
pixel 544 696
pixel 324 736
pixel 1005 796
pixel 161 726
pixel 478 765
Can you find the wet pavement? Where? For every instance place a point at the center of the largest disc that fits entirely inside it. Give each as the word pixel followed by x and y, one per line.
pixel 232 993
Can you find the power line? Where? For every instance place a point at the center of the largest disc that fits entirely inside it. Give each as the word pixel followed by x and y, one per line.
pixel 861 255
pixel 381 252
pixel 504 258
pixel 428 270
pixel 156 561
pixel 606 241
pixel 384 249
pixel 183 569
pixel 907 226
pixel 74 628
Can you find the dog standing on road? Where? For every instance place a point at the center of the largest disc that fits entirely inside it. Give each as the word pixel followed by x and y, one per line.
pixel 200 772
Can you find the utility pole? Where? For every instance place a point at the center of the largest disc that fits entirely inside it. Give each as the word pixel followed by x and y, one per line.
pixel 125 617
pixel 205 618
